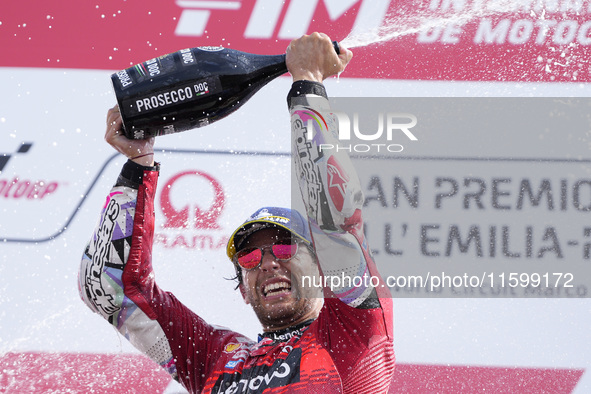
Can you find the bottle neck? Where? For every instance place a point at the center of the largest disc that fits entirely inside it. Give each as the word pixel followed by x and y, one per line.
pixel 275 67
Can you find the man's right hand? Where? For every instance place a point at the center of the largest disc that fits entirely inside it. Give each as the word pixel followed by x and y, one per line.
pixel 313 58
pixel 140 151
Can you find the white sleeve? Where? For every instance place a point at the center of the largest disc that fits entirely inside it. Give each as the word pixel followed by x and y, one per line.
pixel 332 195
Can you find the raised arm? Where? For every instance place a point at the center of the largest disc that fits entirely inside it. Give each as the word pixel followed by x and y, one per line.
pixel 328 182
pixel 117 281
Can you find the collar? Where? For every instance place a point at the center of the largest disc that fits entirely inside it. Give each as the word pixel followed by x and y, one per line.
pixel 286 334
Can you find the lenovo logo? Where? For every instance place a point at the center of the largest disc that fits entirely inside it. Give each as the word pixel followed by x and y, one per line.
pixel 286 20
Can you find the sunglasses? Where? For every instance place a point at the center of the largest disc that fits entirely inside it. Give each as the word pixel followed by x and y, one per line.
pixel 251 258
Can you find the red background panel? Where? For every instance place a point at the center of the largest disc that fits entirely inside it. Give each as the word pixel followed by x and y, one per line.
pixel 113 34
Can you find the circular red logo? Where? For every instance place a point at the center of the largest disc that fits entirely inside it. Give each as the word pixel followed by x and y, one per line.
pixel 204 218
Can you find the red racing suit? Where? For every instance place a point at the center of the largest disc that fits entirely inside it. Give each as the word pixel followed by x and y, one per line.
pixel 347 349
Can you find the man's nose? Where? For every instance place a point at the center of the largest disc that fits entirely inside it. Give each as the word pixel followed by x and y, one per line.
pixel 269 262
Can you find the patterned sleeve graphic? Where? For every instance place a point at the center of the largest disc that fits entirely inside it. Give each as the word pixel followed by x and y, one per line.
pixel 333 198
pixel 328 179
pixel 103 260
pixel 305 157
pixel 95 287
pixel 101 284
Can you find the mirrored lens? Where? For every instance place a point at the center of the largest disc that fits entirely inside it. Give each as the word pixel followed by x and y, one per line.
pixel 249 258
pixel 285 252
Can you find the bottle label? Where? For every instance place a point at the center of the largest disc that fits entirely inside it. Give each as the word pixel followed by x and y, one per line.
pixel 211 49
pixel 187 57
pixel 171 96
pixel 155 67
pixel 124 79
pixel 139 134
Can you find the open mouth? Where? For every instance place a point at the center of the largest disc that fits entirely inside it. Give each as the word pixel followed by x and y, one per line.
pixel 276 289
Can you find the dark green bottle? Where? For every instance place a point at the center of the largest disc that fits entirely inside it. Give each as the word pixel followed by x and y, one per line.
pixel 190 88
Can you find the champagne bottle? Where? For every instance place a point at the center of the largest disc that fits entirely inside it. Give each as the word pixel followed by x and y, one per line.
pixel 190 88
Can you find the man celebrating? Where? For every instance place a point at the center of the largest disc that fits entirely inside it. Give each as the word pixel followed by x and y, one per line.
pixel 316 339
